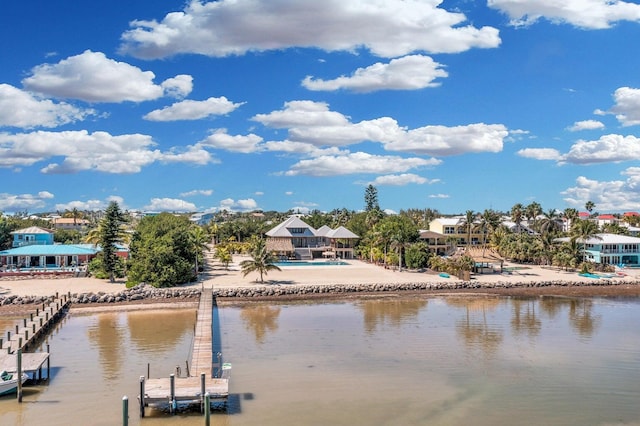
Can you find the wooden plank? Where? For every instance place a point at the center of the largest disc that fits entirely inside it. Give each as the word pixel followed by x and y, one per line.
pixel 202 354
pixel 30 361
pixel 186 388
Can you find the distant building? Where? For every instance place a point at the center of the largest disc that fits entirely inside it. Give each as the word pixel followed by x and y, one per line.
pixel 69 223
pixel 295 239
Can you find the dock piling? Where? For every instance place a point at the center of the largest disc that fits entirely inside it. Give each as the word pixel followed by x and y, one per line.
pixel 125 411
pixel 207 409
pixel 142 396
pixel 19 362
pixel 172 380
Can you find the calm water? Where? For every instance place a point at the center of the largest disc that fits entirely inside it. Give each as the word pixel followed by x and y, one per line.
pixel 429 361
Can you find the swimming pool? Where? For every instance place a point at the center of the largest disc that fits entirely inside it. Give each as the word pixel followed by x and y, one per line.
pixel 312 263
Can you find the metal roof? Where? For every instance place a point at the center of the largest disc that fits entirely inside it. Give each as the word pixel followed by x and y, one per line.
pixel 50 250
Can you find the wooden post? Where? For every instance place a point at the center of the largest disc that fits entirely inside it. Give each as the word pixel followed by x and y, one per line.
pixel 24 322
pixel 17 329
pixel 48 363
pixel 31 316
pixel 125 411
pixel 142 396
pixel 203 388
pixel 186 362
pixel 172 380
pixel 19 358
pixel 148 369
pixel 207 409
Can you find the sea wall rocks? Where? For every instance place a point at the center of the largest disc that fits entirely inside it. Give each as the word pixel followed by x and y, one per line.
pixel 141 292
pixel 294 290
pixel 147 293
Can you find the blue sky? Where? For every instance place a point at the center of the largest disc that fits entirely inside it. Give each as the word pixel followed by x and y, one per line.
pixel 290 104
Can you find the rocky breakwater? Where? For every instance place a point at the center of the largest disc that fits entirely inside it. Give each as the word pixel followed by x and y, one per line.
pixel 140 293
pixel 276 290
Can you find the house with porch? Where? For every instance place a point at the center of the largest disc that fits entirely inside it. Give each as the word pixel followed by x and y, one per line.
pixel 33 249
pixel 612 249
pixel 295 239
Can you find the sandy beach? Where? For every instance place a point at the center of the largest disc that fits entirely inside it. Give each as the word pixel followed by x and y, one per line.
pixel 356 272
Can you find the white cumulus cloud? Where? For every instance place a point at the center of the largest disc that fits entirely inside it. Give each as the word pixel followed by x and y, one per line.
pixel 234 27
pixel 400 180
pixel 615 195
pixel 356 163
pixel 540 154
pixel 587 14
pixel 314 123
pixel 230 204
pixel 22 202
pixel 407 73
pixel 607 149
pixel 627 106
pixel 586 125
pixel 92 77
pixel 193 110
pixel 170 205
pixel 220 139
pixel 97 151
pixel 22 109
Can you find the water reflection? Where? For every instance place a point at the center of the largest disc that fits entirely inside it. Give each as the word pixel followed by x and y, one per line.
pixel 106 334
pixel 475 330
pixel 260 319
pixel 525 320
pixel 172 329
pixel 582 318
pixel 395 312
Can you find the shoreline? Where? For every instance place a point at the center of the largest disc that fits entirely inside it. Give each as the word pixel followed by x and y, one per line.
pixel 357 279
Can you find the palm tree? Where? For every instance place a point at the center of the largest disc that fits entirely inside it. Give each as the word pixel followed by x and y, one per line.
pixel 517 213
pixel 262 260
pixel 582 231
pixel 469 219
pixel 197 242
pixel 570 215
pixel 590 205
pixel 549 222
pixel 532 211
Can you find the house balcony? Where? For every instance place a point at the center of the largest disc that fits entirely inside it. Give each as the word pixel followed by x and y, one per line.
pixel 17 244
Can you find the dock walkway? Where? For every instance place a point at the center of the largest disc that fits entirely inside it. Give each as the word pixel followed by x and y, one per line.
pixel 27 332
pixel 192 389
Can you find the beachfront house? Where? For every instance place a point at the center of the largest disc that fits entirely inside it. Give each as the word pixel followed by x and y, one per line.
pixel 33 249
pixel 456 229
pixel 611 249
pixel 295 239
pixel 34 235
pixel 437 243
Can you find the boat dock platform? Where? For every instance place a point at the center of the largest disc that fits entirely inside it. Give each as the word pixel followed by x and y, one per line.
pixel 28 332
pixel 210 377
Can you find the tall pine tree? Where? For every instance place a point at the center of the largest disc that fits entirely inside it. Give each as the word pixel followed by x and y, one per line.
pixel 110 235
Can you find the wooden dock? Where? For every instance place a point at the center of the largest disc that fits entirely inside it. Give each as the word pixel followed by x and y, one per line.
pixel 204 363
pixel 27 332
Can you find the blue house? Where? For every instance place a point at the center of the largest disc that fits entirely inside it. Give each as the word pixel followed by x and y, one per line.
pixel 613 249
pixel 33 235
pixel 33 248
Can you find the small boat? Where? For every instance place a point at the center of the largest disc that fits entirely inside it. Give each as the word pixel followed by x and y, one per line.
pixel 444 275
pixel 9 382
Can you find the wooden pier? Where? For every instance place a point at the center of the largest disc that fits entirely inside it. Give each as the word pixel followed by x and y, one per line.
pixel 208 377
pixel 26 333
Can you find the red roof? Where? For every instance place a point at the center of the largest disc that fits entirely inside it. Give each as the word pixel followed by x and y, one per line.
pixel 606 216
pixel 584 214
pixel 631 214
